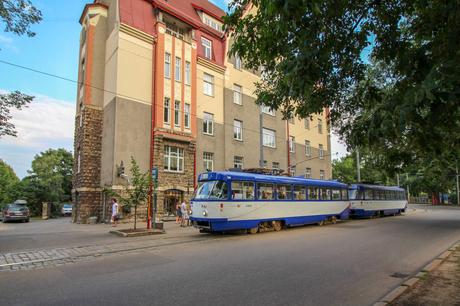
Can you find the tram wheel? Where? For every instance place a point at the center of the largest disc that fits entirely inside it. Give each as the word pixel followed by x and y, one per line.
pixel 277 226
pixel 253 230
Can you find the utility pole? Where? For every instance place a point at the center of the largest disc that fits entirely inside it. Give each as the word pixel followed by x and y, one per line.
pixel 261 140
pixel 408 190
pixel 358 167
pixel 458 190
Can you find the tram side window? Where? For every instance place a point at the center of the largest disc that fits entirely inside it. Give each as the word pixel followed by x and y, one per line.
pixel 368 194
pixel 219 191
pixel 336 194
pixel 242 190
pixel 300 193
pixel 265 191
pixel 284 192
pixel 313 193
pixel 325 194
pixel 344 193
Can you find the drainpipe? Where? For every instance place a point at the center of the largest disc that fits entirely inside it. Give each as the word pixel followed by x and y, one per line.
pixel 288 149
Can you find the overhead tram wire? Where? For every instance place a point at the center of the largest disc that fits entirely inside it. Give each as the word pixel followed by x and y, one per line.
pixel 124 96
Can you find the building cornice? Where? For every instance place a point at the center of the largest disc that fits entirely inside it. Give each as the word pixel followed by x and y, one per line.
pixel 136 33
pixel 88 6
pixel 210 65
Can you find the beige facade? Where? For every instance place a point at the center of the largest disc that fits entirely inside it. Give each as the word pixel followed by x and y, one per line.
pixel 166 93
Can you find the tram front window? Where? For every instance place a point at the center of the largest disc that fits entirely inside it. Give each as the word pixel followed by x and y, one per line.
pixel 211 190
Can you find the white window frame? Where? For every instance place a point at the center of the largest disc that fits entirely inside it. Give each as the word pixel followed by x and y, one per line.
pixel 208 84
pixel 238 130
pixel 320 126
pixel 177 69
pixel 237 94
pixel 208 121
pixel 321 151
pixel 177 112
pixel 208 161
pixel 187 115
pixel 188 76
pixel 172 154
pixel 267 110
pixel 292 170
pixel 238 162
pixel 167 67
pixel 292 144
pixel 307 173
pixel 275 165
pixel 207 47
pixel 321 174
pixel 268 138
pixel 238 62
pixel 307 148
pixel 212 23
pixel 167 110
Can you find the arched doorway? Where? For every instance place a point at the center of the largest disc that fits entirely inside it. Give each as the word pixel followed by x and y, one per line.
pixel 171 198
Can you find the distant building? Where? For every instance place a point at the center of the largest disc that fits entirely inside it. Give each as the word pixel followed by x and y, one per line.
pixel 156 84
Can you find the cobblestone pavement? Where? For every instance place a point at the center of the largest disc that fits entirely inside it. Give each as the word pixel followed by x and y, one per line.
pixel 42 258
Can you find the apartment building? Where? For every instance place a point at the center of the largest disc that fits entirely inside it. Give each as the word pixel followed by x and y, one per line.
pixel 157 85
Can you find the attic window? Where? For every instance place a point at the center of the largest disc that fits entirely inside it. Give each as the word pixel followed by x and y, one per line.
pixel 212 23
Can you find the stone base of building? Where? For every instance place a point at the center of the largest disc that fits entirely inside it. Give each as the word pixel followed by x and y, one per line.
pixel 87 204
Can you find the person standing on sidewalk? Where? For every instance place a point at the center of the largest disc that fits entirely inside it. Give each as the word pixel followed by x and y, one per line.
pixel 114 212
pixel 178 214
pixel 183 210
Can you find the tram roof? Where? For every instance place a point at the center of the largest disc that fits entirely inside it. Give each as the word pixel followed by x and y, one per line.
pixel 244 176
pixel 379 187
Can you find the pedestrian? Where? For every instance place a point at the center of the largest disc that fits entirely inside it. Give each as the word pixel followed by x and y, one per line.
pixel 178 214
pixel 183 210
pixel 115 215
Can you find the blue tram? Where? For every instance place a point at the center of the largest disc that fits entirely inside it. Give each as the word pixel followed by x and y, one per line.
pixel 374 200
pixel 226 201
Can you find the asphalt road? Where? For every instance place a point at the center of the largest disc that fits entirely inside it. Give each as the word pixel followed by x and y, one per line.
pixel 351 263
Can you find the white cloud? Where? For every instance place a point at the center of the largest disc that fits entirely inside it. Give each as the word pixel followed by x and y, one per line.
pixel 7 43
pixel 45 121
pixel 338 147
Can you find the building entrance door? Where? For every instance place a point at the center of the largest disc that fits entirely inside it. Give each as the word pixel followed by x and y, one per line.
pixel 172 197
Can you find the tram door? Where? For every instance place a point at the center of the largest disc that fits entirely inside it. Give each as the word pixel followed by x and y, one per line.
pixel 172 197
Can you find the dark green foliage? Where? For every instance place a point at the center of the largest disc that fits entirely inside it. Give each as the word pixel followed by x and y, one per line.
pixel 8 102
pixel 18 16
pixel 8 184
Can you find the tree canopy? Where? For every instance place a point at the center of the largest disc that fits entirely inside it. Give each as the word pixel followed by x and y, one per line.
pixel 402 101
pixel 18 16
pixel 8 184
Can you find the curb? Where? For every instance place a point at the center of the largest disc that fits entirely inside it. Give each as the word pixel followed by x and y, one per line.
pixel 433 265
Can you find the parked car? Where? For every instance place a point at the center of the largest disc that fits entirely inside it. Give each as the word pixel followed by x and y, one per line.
pixel 16 212
pixel 67 209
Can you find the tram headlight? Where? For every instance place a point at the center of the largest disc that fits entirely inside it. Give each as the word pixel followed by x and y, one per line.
pixel 205 213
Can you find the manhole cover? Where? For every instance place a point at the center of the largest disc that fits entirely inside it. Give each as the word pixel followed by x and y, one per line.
pixel 399 275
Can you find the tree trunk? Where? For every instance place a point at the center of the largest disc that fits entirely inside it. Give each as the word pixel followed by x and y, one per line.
pixel 135 216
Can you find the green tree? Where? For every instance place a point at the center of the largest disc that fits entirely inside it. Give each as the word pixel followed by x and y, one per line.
pixel 405 99
pixel 136 191
pixel 50 179
pixel 8 184
pixel 17 16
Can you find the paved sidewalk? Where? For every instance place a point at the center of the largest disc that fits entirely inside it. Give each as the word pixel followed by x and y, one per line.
pixel 439 287
pixel 42 258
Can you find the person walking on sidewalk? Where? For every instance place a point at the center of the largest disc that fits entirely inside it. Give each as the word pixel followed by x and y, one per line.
pixel 178 214
pixel 183 210
pixel 114 212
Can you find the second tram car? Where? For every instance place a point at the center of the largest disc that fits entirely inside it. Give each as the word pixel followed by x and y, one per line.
pixel 375 201
pixel 226 201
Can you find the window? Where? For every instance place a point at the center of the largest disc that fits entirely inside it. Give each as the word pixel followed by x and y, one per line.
pixel 275 165
pixel 208 84
pixel 237 94
pixel 208 123
pixel 300 193
pixel 173 159
pixel 307 148
pixel 325 194
pixel 211 190
pixel 307 123
pixel 177 113
pixel 238 162
pixel 242 190
pixel 187 115
pixel 238 63
pixel 321 151
pixel 283 192
pixel 265 191
pixel 267 110
pixel 177 70
pixel 336 194
pixel 292 170
pixel 308 173
pixel 321 174
pixel 237 130
pixel 166 111
pixel 78 161
pixel 320 126
pixel 313 193
pixel 368 194
pixel 167 65
pixel 265 163
pixel 208 161
pixel 268 138
pixel 212 23
pixel 344 193
pixel 292 144
pixel 207 47
pixel 187 73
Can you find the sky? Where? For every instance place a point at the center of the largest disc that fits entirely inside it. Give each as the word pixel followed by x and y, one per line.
pixel 49 121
